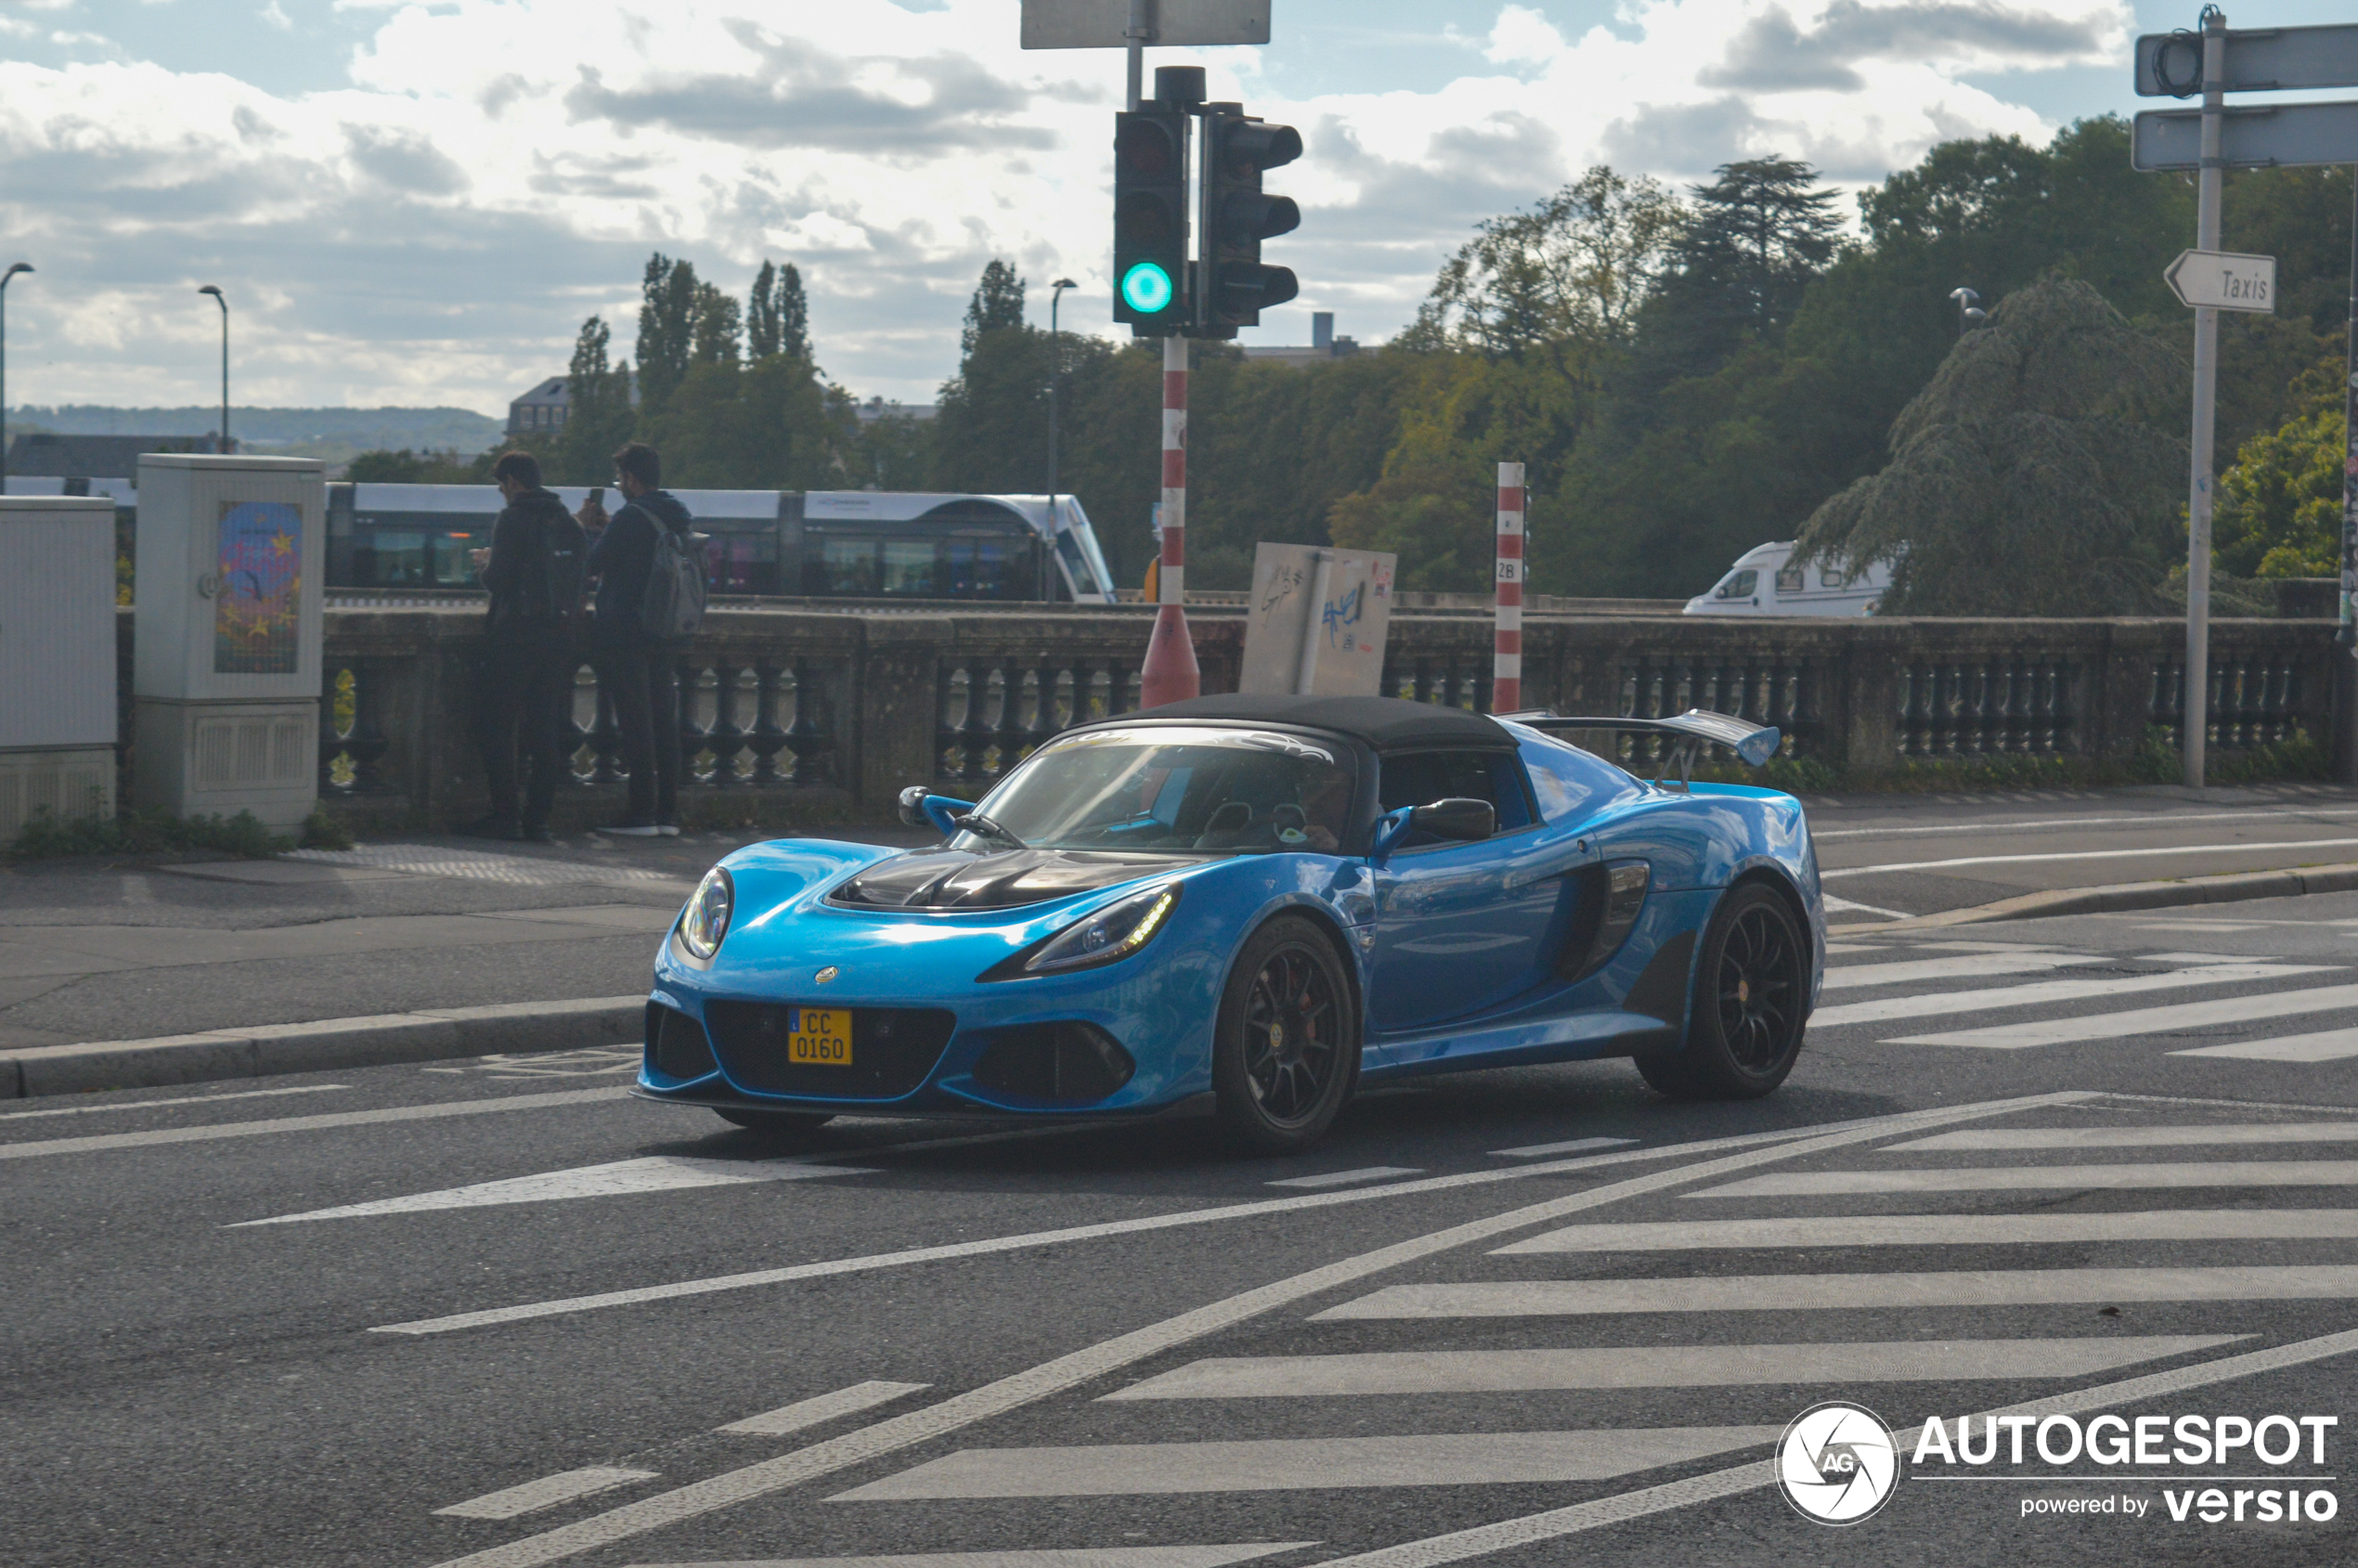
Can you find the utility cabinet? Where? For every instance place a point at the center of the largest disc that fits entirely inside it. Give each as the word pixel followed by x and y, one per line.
pixel 57 676
pixel 232 552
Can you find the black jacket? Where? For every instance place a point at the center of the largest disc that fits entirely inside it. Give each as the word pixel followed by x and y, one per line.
pixel 621 559
pixel 526 595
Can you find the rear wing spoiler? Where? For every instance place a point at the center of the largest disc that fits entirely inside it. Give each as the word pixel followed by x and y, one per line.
pixel 1688 732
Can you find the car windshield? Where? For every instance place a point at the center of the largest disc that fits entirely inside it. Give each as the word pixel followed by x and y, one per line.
pixel 1174 789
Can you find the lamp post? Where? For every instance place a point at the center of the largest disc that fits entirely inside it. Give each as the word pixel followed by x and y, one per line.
pixel 1056 374
pixel 12 271
pixel 223 301
pixel 1969 312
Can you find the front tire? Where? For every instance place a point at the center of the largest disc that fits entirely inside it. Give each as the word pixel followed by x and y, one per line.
pixel 774 1124
pixel 1285 1053
pixel 1751 1000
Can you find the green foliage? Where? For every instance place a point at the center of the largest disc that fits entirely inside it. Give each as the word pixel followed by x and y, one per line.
pixel 406 467
pixel 2279 507
pixel 771 425
pixel 777 318
pixel 145 833
pixel 322 831
pixel 718 330
pixel 997 306
pixel 669 296
pixel 2029 478
pixel 598 419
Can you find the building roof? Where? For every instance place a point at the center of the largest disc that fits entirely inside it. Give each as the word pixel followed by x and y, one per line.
pixel 1385 723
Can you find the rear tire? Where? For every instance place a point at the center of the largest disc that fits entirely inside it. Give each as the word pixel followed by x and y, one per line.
pixel 774 1124
pixel 1285 1051
pixel 1751 992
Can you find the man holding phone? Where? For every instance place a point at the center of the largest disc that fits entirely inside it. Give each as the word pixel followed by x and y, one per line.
pixel 637 671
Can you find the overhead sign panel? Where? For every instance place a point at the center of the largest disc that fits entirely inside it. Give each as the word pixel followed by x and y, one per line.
pixel 2286 135
pixel 2273 60
pixel 2223 280
pixel 1105 24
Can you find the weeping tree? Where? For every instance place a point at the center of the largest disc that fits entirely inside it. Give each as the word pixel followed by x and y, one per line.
pixel 2039 473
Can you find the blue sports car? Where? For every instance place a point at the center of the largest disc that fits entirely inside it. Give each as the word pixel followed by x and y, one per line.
pixel 1258 902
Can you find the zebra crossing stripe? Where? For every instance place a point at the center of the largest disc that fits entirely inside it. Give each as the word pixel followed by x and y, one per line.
pixel 547 1492
pixel 1858 977
pixel 1296 1464
pixel 2031 1179
pixel 1818 1292
pixel 1635 1366
pixel 1050 1557
pixel 2172 1019
pixel 2136 1137
pixel 2040 993
pixel 1951 1230
pixel 1504 1534
pixel 2328 1045
pixel 823 1407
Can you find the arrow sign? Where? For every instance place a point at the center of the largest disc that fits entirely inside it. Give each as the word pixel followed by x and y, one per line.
pixel 2273 60
pixel 2291 134
pixel 2223 280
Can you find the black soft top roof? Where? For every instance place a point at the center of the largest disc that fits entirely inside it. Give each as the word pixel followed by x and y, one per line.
pixel 1385 723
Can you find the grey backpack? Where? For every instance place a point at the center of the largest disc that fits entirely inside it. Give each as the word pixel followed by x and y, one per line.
pixel 674 605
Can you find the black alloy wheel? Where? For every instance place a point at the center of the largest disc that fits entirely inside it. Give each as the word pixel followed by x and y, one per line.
pixel 1751 1002
pixel 1286 1055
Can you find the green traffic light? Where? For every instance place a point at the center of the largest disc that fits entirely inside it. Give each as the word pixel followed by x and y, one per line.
pixel 1147 288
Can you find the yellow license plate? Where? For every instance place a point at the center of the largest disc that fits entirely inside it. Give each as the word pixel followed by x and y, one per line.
pixel 821 1036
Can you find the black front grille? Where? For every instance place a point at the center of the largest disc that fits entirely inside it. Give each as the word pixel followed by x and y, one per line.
pixel 892 1049
pixel 676 1044
pixel 1068 1063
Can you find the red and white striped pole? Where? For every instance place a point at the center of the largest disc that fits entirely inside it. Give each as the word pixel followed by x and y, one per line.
pixel 1171 674
pixel 1505 679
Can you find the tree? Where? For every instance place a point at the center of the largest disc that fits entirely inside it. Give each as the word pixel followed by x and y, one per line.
pixel 669 296
pixel 2032 476
pixel 599 417
pixel 2279 511
pixel 764 334
pixel 793 315
pixel 718 328
pixel 1758 236
pixel 997 303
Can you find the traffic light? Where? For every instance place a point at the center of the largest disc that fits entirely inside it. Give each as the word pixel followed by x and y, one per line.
pixel 1238 215
pixel 1150 221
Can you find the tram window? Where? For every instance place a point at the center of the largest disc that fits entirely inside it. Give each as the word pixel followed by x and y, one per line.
pixel 451 568
pixel 393 560
pixel 908 567
pixel 849 566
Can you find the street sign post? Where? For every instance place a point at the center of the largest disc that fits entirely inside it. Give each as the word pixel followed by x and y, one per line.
pixel 2273 60
pixel 2259 136
pixel 2223 280
pixel 1105 24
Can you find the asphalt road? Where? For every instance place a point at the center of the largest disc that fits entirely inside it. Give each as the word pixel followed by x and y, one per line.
pixel 496 1313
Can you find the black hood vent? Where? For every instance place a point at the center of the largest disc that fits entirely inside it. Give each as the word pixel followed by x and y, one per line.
pixel 957 879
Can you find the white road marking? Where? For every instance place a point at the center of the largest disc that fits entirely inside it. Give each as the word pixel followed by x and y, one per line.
pixel 825 1407
pixel 1068 1371
pixel 1997 826
pixel 989 1245
pixel 2032 1178
pixel 306 1124
pixel 547 1492
pixel 659 1173
pixel 1635 1367
pixel 1854 947
pixel 2137 1137
pixel 1057 1557
pixel 166 1105
pixel 2172 1019
pixel 1856 977
pixel 1838 905
pixel 1807 1292
pixel 1305 1464
pixel 1951 1230
pixel 2327 1046
pixel 2039 992
pixel 1533 1151
pixel 1555 1523
pixel 2091 855
pixel 1347 1178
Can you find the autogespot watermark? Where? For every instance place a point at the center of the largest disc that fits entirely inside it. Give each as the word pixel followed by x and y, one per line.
pixel 1839 1464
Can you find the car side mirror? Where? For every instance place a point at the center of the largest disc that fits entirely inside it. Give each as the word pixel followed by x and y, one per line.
pixel 1456 817
pixel 921 808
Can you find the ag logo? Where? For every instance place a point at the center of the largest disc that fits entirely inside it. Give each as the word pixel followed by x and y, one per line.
pixel 1837 1463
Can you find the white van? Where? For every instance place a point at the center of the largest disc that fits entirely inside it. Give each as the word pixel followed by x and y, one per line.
pixel 1764 582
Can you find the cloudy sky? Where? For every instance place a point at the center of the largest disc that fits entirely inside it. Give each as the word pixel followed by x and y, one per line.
pixel 417 201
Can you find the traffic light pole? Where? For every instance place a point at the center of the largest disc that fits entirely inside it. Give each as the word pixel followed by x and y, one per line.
pixel 2196 685
pixel 2346 667
pixel 1170 673
pixel 1506 676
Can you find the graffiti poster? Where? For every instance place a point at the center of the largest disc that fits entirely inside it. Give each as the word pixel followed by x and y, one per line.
pixel 258 611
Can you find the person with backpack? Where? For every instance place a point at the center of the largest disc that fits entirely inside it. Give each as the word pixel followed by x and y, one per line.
pixel 530 648
pixel 650 567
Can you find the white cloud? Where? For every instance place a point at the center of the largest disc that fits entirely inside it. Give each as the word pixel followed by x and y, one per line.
pixel 495 169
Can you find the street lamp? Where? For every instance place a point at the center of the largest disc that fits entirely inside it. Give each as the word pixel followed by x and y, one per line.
pixel 1969 314
pixel 223 301
pixel 1055 373
pixel 19 266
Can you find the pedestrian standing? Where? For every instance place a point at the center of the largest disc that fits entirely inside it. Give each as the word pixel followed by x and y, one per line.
pixel 636 663
pixel 525 677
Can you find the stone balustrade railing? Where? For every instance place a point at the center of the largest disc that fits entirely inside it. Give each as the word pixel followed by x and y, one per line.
pixel 806 715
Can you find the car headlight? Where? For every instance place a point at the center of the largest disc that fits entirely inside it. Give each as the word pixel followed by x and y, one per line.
pixel 1108 936
pixel 706 920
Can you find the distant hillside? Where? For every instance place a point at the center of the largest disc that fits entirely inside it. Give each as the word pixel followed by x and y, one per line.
pixel 347 429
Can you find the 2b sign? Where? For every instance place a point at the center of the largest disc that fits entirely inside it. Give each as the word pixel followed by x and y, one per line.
pixel 2223 281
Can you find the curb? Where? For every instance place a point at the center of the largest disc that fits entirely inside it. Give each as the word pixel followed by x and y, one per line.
pixel 327 1044
pixel 2123 897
